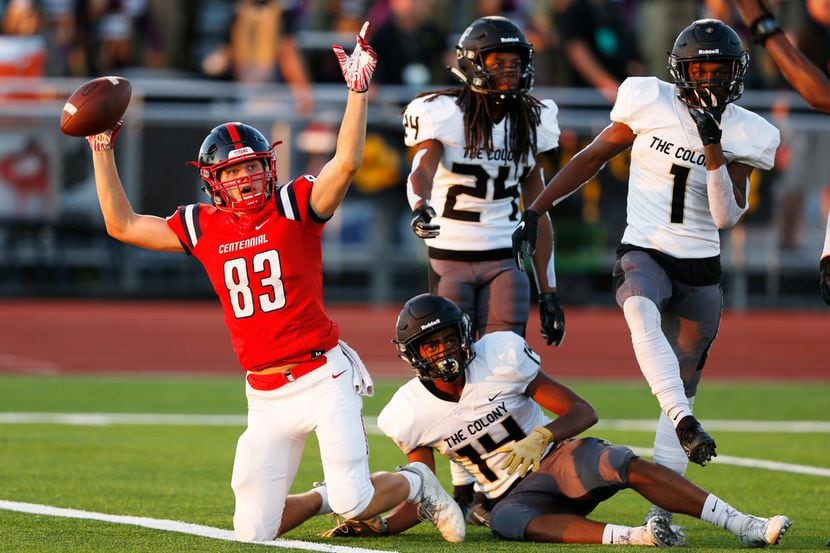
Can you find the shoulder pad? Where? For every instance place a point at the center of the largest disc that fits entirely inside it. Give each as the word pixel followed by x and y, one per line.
pixel 749 138
pixel 431 118
pixel 548 134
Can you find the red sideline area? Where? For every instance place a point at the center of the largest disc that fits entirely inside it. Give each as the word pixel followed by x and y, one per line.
pixel 189 337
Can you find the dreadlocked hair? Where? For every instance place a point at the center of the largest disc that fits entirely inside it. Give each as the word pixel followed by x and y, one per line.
pixel 523 114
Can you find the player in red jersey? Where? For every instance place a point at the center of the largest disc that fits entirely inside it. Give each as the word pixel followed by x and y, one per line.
pixel 260 244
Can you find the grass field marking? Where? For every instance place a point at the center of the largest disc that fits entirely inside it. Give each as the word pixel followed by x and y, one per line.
pixel 175 526
pixel 648 425
pixel 752 463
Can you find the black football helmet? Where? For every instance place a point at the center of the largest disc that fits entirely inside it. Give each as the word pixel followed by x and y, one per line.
pixel 708 40
pixel 229 144
pixel 421 317
pixel 487 34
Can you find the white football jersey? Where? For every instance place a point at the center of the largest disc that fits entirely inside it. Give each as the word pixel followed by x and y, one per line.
pixel 476 198
pixel 668 206
pixel 493 411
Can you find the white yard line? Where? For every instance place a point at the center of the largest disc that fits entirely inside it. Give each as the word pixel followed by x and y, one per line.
pixel 107 419
pixel 175 526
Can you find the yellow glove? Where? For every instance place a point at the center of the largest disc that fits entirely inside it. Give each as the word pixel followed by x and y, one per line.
pixel 527 451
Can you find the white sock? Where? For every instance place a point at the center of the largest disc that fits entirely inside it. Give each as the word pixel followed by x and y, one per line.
pixel 615 534
pixel 415 484
pixel 657 360
pixel 325 508
pixel 722 514
pixel 667 450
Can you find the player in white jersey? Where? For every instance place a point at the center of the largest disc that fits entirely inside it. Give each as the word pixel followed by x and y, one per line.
pixel 475 159
pixel 480 404
pixel 692 152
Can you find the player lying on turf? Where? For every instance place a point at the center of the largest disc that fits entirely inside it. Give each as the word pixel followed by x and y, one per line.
pixel 479 404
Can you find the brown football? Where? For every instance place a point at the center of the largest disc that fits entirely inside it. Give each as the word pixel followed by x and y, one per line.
pixel 96 106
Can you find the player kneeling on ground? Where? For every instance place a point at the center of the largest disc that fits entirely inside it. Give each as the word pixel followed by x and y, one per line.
pixel 480 404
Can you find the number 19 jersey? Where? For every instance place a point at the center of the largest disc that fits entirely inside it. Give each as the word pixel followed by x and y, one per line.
pixel 493 411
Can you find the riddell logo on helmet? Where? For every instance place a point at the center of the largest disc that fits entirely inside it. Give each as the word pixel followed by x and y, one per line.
pixel 430 324
pixel 510 39
pixel 712 51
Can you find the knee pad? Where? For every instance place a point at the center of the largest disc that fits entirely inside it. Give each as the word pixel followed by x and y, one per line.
pixel 350 503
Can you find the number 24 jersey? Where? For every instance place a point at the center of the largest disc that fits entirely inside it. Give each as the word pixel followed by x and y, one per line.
pixel 476 196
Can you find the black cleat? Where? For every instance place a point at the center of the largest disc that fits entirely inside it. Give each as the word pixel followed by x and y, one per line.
pixel 698 445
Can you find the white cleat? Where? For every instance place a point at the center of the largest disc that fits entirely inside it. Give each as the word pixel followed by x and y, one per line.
pixel 661 533
pixel 436 505
pixel 761 532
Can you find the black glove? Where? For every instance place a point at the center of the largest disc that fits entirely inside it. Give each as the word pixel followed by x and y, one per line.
pixel 708 125
pixel 420 222
pixel 524 237
pixel 824 285
pixel 552 317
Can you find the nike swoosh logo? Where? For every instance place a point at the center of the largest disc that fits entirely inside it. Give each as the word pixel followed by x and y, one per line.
pixel 259 226
pixel 520 225
pixel 338 374
pixel 491 398
pixel 714 506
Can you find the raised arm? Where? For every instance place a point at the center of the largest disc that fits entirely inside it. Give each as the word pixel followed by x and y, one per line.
pixel 335 177
pixel 808 79
pixel 122 223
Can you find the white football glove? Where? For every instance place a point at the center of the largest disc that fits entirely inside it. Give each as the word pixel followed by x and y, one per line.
pixel 104 141
pixel 360 65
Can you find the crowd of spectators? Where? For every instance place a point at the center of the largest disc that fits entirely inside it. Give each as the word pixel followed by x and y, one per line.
pixel 593 43
pixel 578 43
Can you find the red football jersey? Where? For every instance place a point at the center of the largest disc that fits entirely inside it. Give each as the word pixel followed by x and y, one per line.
pixel 267 269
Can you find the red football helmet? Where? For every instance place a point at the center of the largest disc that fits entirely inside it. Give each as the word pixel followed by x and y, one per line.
pixel 231 144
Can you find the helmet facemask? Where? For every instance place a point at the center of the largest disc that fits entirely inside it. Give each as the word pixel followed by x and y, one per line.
pixel 246 194
pixel 725 91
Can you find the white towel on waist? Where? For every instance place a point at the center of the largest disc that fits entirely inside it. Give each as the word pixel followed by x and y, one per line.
pixel 361 379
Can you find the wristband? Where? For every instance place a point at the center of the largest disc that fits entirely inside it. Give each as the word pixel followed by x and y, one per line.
pixel 765 27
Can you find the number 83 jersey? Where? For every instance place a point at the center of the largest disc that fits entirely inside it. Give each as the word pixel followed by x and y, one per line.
pixel 493 411
pixel 266 269
pixel 668 206
pixel 475 194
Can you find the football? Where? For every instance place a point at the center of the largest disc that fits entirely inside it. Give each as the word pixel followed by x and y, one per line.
pixel 96 106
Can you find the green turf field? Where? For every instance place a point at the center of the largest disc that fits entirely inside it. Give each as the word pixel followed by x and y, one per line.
pixel 179 468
